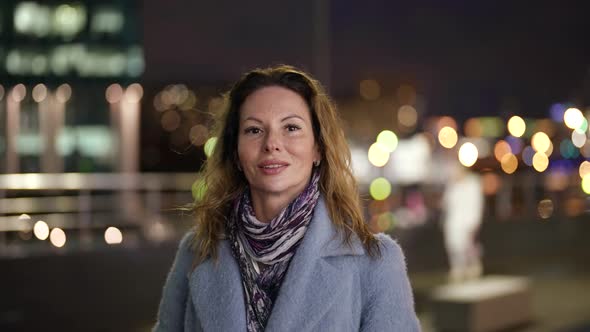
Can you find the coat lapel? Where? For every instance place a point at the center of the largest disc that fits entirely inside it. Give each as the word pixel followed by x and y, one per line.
pixel 311 285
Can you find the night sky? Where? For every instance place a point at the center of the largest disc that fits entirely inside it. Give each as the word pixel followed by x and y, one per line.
pixel 466 58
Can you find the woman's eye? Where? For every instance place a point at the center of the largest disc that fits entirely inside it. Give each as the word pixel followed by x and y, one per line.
pixel 252 130
pixel 292 127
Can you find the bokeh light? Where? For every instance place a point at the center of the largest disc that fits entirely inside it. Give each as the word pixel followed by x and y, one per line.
pixel 541 142
pixel 573 118
pixel 446 121
pixel 509 163
pixel 468 154
pixel 380 189
pixel 447 137
pixel 113 235
pixel 584 169
pixel 170 120
pixel 515 143
pixel 210 146
pixel 41 230
pixel 578 138
pixel 501 148
pixel 57 237
pixel 545 208
pixel 114 93
pixel 407 116
pixel 370 89
pixel 387 139
pixel 63 93
pixel 586 184
pixel 516 126
pixel 18 93
pixel 385 221
pixel 133 93
pixel 378 154
pixel 39 92
pixel 540 162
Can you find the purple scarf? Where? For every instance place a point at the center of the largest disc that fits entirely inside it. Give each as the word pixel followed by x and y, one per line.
pixel 272 244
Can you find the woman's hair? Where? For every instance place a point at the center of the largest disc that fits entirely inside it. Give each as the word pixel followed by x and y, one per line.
pixel 224 181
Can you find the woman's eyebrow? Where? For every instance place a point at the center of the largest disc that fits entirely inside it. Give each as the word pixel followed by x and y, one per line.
pixel 253 119
pixel 292 116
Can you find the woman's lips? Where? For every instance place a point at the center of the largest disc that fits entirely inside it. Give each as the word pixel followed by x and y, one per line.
pixel 272 167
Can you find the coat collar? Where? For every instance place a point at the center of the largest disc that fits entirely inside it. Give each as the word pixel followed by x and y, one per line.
pixel 217 291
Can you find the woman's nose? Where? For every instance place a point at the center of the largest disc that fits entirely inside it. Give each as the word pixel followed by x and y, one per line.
pixel 273 142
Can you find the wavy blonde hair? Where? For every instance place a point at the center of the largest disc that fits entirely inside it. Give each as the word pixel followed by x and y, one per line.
pixel 224 182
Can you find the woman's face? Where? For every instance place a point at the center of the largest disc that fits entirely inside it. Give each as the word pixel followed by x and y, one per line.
pixel 276 145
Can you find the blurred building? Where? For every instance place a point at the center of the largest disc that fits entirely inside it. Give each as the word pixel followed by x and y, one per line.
pixel 66 68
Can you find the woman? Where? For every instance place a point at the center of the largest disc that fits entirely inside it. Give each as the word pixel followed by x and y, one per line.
pixel 280 243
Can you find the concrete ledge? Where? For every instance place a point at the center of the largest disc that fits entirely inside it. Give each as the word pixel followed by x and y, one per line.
pixel 491 303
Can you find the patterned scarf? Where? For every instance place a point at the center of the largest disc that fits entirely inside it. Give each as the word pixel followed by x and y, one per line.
pixel 272 244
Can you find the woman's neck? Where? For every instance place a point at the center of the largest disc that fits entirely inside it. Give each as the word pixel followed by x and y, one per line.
pixel 267 207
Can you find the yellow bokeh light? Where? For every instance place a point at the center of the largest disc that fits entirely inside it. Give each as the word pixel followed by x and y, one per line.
pixel 41 230
pixel 447 137
pixel 584 168
pixel 380 189
pixel 509 163
pixel 210 146
pixel 57 237
pixel 468 154
pixel 540 162
pixel 113 235
pixel 586 184
pixel 388 139
pixel 516 126
pixel 407 116
pixel 541 142
pixel 378 154
pixel 573 118
pixel 501 149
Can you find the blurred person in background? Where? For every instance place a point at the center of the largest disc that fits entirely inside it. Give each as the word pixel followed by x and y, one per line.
pixel 463 211
pixel 280 243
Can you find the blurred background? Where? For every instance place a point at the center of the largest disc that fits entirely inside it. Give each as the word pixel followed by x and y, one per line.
pixel 105 112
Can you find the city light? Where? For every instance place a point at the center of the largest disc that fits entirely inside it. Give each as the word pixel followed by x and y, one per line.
pixel 63 93
pixel 57 237
pixel 501 149
pixel 540 162
pixel 388 139
pixel 39 92
pixel 516 126
pixel 447 137
pixel 41 230
pixel 586 184
pixel 509 163
pixel 378 154
pixel 114 93
pixel 584 169
pixel 468 154
pixel 545 208
pixel 380 189
pixel 541 142
pixel 198 135
pixel 573 118
pixel 578 138
pixel 407 116
pixel 19 92
pixel 113 235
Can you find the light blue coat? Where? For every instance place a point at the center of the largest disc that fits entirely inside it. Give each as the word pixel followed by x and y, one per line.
pixel 328 287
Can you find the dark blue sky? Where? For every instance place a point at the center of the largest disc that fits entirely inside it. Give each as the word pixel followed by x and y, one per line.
pixel 466 58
